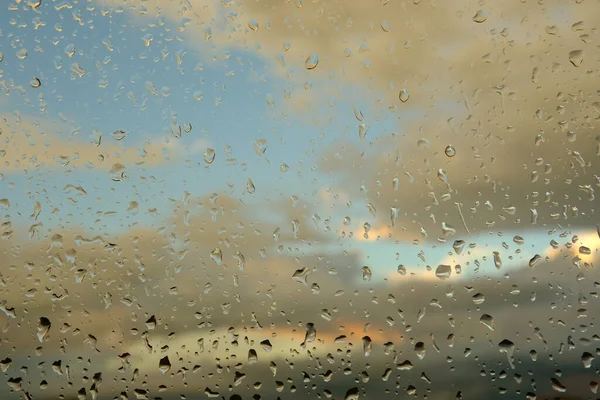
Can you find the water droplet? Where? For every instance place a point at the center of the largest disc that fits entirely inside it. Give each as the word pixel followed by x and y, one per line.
pixel 497 260
pixel 458 246
pixel 443 271
pixel 450 151
pixel 70 50
pixel 253 25
pixel 480 16
pixel 420 350
pixel 367 345
pixel 508 347
pixel 209 156
pixel 576 57
pixel 586 359
pixel 260 147
pixel 35 83
pixel 401 269
pixel 352 394
pixel 164 365
pixel 266 345
pixel 394 215
pixel 119 135
pixel 556 385
pixel 404 95
pixel 585 250
pixel 311 61
pixel 478 298
pixel 43 329
pixel 487 321
pixel 250 188
pixel 385 26
pixel 534 260
pixel 366 273
pixel 362 132
pixel 311 334
pixel 217 256
pixel 22 53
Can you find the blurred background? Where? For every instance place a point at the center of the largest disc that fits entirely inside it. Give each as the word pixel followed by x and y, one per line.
pixel 299 199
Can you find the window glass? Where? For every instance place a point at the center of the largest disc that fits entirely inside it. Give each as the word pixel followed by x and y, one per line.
pixel 299 199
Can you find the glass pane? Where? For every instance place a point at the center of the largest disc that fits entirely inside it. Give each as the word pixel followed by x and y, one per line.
pixel 299 199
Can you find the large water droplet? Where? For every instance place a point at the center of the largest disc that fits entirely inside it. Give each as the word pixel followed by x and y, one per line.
pixel 35 83
pixel 311 61
pixel 576 57
pixel 450 151
pixel 443 271
pixel 43 329
pixel 480 16
pixel 404 95
pixel 209 156
pixel 164 365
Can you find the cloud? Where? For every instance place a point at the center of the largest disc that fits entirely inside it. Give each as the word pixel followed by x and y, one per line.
pixel 38 143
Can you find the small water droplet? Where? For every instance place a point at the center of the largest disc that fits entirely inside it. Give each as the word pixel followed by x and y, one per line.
pixel 119 135
pixel 253 25
pixel 497 260
pixel 404 95
pixel 209 156
pixel 366 273
pixel 35 83
pixel 22 53
pixel 450 151
pixel 480 16
pixel 250 188
pixel 311 61
pixel 217 256
pixel 362 132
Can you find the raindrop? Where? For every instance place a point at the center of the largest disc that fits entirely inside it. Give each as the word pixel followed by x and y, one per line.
pixel 487 321
pixel 586 359
pixel 311 334
pixel 311 61
pixel 497 260
pixel 401 269
pixel 556 385
pixel 119 135
pixel 420 350
pixel 443 271
pixel 22 54
pixel 450 151
pixel 253 25
pixel 260 147
pixel 480 16
pixel 576 57
pixel 250 188
pixel 362 131
pixel 394 215
pixel 478 298
pixel 209 156
pixel 534 260
pixel 164 365
pixel 404 95
pixel 352 394
pixel 366 273
pixel 367 345
pixel 35 83
pixel 458 246
pixel 43 329
pixel 508 347
pixel 217 256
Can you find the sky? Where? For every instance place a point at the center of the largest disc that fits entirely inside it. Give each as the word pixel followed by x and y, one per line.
pixel 210 162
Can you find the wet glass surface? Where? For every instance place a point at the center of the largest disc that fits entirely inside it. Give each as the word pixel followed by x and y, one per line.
pixel 299 199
